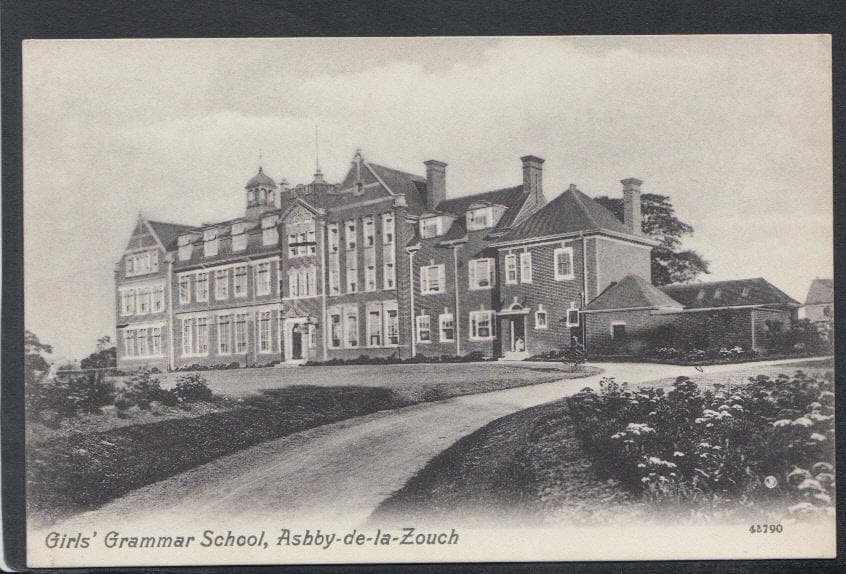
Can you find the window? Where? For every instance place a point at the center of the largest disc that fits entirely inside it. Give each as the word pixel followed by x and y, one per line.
pixel 370 269
pixel 391 324
pixel 185 251
pixel 264 332
pixel 618 331
pixel 510 269
pixel 142 263
pixel 424 331
pixel 572 316
pixel 563 263
pixel 293 283
pixel 481 273
pixel 187 336
pixel 263 278
pixel 430 227
pixel 158 298
pixel 127 301
pixel 221 284
pixel 827 311
pixel 446 324
pixel 144 300
pixel 210 243
pixel 239 240
pixel 389 273
pixel 388 228
pixel 432 279
pixel 374 327
pixel 335 330
pixel 239 283
pixel 141 341
pixel 541 320
pixel 481 325
pixel 745 292
pixel 301 239
pixel 333 238
pixel 334 275
pixel 352 272
pixel 156 341
pixel 526 267
pixel 351 327
pixel 224 335
pixel 310 239
pixel 349 233
pixel 129 343
pixel 202 287
pixel 479 219
pixel 202 336
pixel 369 232
pixel 241 333
pixel 184 289
pixel 269 236
pixel 718 293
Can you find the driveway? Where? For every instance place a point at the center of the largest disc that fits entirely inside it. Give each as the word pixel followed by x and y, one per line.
pixel 337 474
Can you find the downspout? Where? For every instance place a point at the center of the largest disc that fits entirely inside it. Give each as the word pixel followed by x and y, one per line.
pixel 411 253
pixel 457 320
pixel 171 337
pixel 584 301
pixel 323 295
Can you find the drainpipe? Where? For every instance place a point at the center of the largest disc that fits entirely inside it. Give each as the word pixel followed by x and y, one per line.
pixel 584 301
pixel 170 321
pixel 323 241
pixel 457 319
pixel 411 251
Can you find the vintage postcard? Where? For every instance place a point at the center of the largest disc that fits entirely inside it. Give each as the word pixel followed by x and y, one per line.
pixel 395 300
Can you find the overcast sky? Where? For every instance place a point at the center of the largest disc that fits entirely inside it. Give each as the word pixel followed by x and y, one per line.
pixel 736 130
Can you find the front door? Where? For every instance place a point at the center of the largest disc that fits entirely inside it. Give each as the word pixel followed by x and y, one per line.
pixel 296 342
pixel 518 334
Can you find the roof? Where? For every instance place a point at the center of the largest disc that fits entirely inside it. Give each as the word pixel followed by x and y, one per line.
pixel 512 198
pixel 413 186
pixel 260 178
pixel 168 232
pixel 632 292
pixel 821 291
pixel 757 291
pixel 570 212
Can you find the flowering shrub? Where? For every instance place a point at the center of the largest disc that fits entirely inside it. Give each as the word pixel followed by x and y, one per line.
pixel 771 440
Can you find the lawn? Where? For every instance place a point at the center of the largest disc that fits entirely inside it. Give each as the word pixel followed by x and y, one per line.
pixel 532 467
pixel 82 462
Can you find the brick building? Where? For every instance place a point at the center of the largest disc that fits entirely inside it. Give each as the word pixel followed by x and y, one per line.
pixel 383 263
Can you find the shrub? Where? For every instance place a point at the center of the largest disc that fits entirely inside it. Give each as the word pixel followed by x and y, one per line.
pixel 140 390
pixel 192 387
pixel 716 446
pixel 575 355
pixel 71 394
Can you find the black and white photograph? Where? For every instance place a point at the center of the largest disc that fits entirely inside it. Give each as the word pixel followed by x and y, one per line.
pixel 428 299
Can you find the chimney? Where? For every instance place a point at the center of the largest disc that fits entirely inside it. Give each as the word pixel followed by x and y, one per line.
pixel 533 177
pixel 435 183
pixel 631 204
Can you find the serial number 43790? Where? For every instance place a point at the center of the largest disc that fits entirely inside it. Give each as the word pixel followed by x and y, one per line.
pixel 766 529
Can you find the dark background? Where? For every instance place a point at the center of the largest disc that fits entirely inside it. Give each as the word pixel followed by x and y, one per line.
pixel 22 19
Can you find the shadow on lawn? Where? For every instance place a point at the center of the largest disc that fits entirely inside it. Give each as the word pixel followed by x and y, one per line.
pixel 85 470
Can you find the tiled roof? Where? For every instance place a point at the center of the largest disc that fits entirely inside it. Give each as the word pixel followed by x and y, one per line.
pixel 260 178
pixel 821 291
pixel 413 186
pixel 757 291
pixel 168 232
pixel 570 212
pixel 632 291
pixel 512 198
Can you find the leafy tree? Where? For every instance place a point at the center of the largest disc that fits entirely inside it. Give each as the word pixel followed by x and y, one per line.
pixel 35 365
pixel 104 357
pixel 670 263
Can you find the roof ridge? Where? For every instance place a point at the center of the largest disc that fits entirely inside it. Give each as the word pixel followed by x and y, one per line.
pixel 408 173
pixel 578 198
pixel 471 195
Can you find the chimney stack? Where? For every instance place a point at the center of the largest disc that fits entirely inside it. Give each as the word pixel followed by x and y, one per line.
pixel 533 177
pixel 435 183
pixel 631 204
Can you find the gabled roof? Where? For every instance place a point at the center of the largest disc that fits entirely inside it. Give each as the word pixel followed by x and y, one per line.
pixel 413 186
pixel 511 198
pixel 168 232
pixel 739 292
pixel 632 292
pixel 821 291
pixel 570 212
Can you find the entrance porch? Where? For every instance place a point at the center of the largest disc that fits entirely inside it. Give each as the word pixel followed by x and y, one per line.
pixel 515 346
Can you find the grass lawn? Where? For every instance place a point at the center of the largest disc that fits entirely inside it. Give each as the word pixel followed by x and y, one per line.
pixel 529 468
pixel 84 462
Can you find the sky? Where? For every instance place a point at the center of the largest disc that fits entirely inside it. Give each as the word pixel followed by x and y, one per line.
pixel 735 129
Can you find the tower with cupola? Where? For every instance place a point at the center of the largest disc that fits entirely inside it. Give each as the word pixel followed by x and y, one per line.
pixel 261 194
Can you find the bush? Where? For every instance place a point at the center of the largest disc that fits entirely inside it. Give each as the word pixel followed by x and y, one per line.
pixel 71 394
pixel 140 390
pixel 718 446
pixel 192 387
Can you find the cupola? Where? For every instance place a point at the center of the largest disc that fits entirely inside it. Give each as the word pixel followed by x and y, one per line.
pixel 261 194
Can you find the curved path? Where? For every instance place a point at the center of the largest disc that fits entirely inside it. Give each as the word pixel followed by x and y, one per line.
pixel 337 473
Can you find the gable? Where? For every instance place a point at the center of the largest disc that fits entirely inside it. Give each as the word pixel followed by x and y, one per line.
pixel 141 238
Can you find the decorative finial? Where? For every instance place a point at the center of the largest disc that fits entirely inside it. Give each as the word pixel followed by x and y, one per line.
pixel 316 150
pixel 261 160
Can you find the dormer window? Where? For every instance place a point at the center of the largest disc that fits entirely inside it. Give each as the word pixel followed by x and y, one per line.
pixel 210 243
pixel 480 219
pixel 745 292
pixel 185 247
pixel 701 295
pixel 237 228
pixel 431 227
pixel 718 293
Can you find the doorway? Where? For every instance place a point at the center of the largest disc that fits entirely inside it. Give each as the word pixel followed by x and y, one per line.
pixel 518 334
pixel 296 342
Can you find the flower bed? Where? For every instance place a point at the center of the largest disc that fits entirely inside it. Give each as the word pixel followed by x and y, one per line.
pixel 768 443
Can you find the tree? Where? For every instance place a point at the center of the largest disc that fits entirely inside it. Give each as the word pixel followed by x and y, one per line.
pixel 670 263
pixel 35 365
pixel 104 357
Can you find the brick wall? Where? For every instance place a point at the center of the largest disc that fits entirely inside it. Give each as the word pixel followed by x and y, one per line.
pixel 615 260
